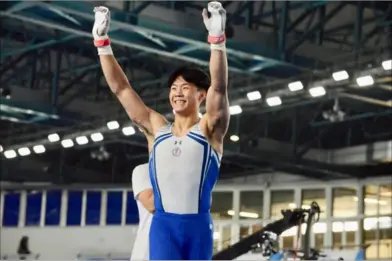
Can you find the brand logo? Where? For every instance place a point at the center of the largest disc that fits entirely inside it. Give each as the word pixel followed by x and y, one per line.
pixel 176 152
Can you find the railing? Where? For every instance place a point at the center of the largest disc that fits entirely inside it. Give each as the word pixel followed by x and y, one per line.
pixel 20 257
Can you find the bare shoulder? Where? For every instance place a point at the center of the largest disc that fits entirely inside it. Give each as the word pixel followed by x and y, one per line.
pixel 213 138
pixel 157 120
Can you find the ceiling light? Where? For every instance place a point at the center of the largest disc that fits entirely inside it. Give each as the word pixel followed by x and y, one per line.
pixel 252 96
pixel 317 91
pixel 39 149
pixel 387 65
pixel 112 125
pixel 274 101
pixel 53 137
pixel 128 131
pixel 1 148
pixel 340 76
pixel 236 109
pixel 68 143
pixel 234 138
pixel 10 154
pixel 24 151
pixel 81 140
pixel 296 86
pixel 365 81
pixel 96 137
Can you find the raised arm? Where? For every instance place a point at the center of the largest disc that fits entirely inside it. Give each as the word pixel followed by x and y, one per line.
pixel 217 101
pixel 140 114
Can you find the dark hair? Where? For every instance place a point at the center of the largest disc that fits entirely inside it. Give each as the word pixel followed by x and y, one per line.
pixel 192 75
pixel 23 248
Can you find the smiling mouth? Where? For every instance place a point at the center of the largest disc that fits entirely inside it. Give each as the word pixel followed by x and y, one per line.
pixel 179 102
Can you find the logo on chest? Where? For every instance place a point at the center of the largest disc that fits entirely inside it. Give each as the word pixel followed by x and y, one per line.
pixel 177 151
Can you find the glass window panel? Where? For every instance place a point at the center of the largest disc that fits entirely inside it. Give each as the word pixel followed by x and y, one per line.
pixel 11 209
pixel 114 207
pixel 53 208
pixel 132 213
pixel 288 242
pixel 226 237
pixel 93 207
pixel 385 202
pixel 222 205
pixel 345 202
pixel 251 204
pixel 317 195
pixel 74 208
pixel 244 231
pixel 370 200
pixel 33 208
pixel 281 199
pixel 370 231
pixel 385 247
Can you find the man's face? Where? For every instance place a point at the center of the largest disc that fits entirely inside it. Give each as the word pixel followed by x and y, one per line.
pixel 185 97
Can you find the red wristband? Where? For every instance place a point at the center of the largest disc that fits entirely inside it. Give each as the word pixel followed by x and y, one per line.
pixel 216 39
pixel 102 43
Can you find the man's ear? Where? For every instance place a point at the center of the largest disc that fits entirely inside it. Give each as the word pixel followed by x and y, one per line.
pixel 202 95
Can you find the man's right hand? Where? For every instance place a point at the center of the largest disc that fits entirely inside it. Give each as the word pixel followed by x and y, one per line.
pixel 101 29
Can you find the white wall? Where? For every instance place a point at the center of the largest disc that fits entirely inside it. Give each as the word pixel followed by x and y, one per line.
pixel 67 242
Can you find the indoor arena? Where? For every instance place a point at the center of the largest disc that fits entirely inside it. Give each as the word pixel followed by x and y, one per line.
pixel 195 130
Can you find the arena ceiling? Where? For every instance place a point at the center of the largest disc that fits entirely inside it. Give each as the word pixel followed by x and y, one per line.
pixel 51 82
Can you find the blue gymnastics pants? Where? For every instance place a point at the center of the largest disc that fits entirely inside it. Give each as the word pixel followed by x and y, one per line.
pixel 181 237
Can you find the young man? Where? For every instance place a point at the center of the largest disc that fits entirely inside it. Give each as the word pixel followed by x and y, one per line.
pixel 143 193
pixel 185 158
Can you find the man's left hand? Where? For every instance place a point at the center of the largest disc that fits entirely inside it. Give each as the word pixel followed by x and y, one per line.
pixel 216 23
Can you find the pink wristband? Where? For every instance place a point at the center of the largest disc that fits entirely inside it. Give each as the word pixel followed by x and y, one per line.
pixel 216 39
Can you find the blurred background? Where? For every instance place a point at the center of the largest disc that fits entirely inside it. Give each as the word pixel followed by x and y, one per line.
pixel 310 93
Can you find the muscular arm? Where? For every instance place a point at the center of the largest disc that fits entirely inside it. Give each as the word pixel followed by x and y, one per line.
pixel 146 197
pixel 217 101
pixel 139 113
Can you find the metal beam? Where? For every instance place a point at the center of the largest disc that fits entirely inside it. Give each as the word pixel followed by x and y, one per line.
pixel 317 27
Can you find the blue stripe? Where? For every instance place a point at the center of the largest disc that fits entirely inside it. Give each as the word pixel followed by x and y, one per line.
pixel 205 160
pixel 163 136
pixel 154 175
pixel 198 135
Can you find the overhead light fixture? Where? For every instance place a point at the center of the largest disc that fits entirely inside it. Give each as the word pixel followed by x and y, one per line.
pixel 112 125
pixel 24 151
pixel 81 140
pixel 68 143
pixel 243 214
pixel 274 101
pixel 234 138
pixel 54 137
pixel 128 130
pixel 387 65
pixel 365 81
pixel 1 148
pixel 317 91
pixel 38 149
pixel 252 96
pixel 340 76
pixel 296 86
pixel 10 154
pixel 236 109
pixel 96 136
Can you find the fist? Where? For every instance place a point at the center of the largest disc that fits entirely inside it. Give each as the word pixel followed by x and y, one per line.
pixel 217 22
pixel 101 23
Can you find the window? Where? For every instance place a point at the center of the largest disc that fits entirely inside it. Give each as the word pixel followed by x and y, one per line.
pixel 370 200
pixel 33 208
pixel 345 202
pixel 251 204
pixel 317 195
pixel 281 199
pixel 53 208
pixel 337 237
pixel 11 209
pixel 93 207
pixel 114 208
pixel 132 214
pixel 385 202
pixel 319 229
pixel 74 208
pixel 222 205
pixel 370 231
